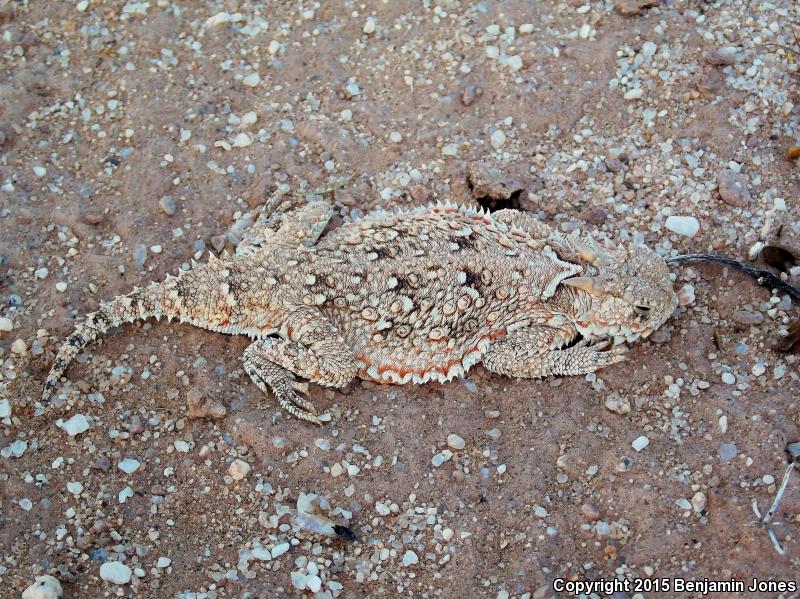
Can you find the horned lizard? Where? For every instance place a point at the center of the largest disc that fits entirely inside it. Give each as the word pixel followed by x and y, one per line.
pixel 410 296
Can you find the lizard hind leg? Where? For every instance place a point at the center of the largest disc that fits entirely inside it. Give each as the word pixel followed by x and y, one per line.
pixel 272 363
pixel 269 376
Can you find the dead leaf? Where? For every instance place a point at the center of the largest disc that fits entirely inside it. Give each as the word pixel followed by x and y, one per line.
pixel 793 153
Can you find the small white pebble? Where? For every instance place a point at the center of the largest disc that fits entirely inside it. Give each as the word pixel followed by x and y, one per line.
pixel 163 562
pixel 634 94
pixel 514 63
pixel 683 225
pixel 75 487
pixel 455 442
pixel 61 286
pixel 450 149
pixel 313 583
pixel 239 469
pixel 699 502
pixel 298 580
pixel 498 139
pixel 39 171
pixel 75 425
pixel 125 494
pixel 242 140
pixel 395 137
pixel 410 558
pixel 640 443
pixel 252 80
pixel 115 572
pixel 728 378
pixel 19 347
pixel 369 25
pixel 129 465
pixel 280 549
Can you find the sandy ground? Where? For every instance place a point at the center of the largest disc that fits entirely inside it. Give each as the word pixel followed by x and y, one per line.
pixel 598 120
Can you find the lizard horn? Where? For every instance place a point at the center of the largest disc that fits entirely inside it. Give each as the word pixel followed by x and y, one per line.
pixel 587 284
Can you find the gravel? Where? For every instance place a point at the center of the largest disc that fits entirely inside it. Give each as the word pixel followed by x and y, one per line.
pixel 217 110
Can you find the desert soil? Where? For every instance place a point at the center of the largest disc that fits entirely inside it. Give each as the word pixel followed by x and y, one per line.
pixel 137 136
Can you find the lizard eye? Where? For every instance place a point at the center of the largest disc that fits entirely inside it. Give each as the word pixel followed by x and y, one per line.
pixel 643 310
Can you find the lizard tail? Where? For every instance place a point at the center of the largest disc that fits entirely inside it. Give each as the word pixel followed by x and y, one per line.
pixel 137 305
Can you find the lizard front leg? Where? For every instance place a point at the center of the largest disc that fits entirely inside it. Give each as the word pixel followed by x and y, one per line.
pixel 313 350
pixel 536 353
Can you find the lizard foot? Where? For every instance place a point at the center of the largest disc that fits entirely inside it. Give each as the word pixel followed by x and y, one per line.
pixel 287 392
pixel 587 356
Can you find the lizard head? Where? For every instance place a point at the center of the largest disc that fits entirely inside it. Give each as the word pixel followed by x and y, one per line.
pixel 629 291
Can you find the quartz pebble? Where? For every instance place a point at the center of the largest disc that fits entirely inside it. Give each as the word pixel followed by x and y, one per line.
pixel 640 443
pixel 44 587
pixel 115 572
pixel 455 442
pixel 699 502
pixel 239 469
pixel 75 425
pixel 252 80
pixel 129 465
pixel 498 139
pixel 313 583
pixel 298 580
pixel 369 25
pixel 687 226
pixel 410 558
pixel 5 408
pixel 633 94
pixel 279 550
